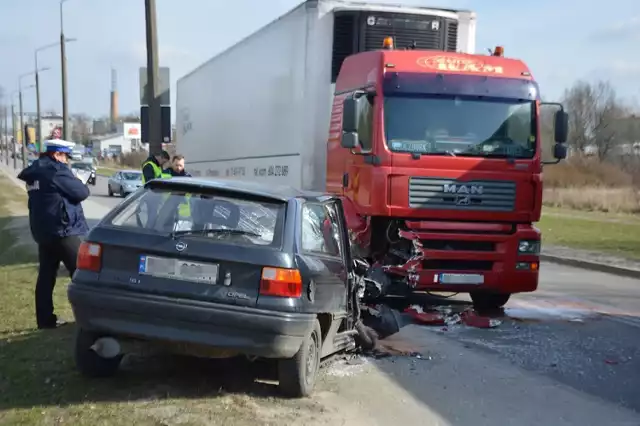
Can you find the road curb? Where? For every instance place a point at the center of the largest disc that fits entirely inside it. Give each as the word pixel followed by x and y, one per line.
pixel 593 266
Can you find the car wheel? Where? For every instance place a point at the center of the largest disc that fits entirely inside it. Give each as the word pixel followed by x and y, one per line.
pixel 88 362
pixel 487 301
pixel 298 375
pixel 109 191
pixel 122 193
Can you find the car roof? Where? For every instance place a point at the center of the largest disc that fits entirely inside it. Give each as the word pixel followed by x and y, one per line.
pixel 276 192
pixel 128 171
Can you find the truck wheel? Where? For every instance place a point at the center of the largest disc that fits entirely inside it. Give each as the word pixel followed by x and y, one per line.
pixel 484 300
pixel 88 362
pixel 298 375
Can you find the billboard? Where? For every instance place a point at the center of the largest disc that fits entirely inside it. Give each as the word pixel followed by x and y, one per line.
pixel 132 131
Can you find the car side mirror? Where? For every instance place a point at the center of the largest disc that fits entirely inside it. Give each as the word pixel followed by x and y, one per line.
pixel 561 127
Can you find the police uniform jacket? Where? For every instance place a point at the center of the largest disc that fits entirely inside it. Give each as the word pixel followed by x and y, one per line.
pixel 55 197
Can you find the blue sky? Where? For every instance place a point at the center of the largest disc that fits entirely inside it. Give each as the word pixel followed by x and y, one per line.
pixel 561 41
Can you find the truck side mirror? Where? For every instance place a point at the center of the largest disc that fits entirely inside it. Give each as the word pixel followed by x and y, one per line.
pixel 561 128
pixel 560 151
pixel 350 115
pixel 349 140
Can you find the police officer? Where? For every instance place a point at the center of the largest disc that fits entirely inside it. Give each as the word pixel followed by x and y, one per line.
pixel 56 220
pixel 152 167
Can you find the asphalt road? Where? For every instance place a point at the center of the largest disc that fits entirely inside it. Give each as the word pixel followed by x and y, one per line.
pixel 100 195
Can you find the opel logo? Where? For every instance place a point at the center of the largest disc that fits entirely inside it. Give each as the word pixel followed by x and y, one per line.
pixel 181 246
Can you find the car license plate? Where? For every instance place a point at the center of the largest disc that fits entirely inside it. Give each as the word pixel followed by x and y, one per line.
pixel 178 269
pixel 473 279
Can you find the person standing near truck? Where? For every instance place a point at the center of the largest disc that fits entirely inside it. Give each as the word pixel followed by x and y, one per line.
pixel 56 220
pixel 152 168
pixel 177 166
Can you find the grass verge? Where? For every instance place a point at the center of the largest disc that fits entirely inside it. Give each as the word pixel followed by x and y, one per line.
pixel 40 386
pixel 106 171
pixel 608 233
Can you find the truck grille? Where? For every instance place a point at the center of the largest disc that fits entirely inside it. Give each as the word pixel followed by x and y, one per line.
pixel 478 195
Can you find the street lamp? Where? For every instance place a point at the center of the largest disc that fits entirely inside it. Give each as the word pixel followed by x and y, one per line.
pixel 63 65
pixel 24 136
pixel 38 50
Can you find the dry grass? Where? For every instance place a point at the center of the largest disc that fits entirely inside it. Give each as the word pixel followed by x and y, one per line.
pixel 590 185
pixel 594 199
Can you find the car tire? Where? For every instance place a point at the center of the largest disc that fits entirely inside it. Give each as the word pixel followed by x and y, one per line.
pixel 122 193
pixel 489 301
pixel 109 191
pixel 89 363
pixel 298 375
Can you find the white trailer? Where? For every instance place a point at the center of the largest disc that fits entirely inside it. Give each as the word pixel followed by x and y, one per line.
pixel 260 110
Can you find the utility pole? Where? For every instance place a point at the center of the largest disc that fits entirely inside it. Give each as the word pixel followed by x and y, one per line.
pixel 15 135
pixel 63 65
pixel 3 146
pixel 153 97
pixel 22 130
pixel 6 134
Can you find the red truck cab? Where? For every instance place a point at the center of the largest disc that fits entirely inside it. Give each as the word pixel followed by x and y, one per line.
pixel 438 158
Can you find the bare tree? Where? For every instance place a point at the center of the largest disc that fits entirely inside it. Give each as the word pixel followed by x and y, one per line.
pixel 81 125
pixel 594 110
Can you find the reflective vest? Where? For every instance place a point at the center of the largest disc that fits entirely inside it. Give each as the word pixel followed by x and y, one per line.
pixel 184 209
pixel 157 172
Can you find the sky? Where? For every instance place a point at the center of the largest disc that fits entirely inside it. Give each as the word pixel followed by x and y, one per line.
pixel 561 41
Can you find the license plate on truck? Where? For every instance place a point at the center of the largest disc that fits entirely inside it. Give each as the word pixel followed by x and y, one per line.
pixel 178 269
pixel 473 279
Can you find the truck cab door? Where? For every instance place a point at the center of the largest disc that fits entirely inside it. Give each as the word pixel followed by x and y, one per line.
pixel 357 179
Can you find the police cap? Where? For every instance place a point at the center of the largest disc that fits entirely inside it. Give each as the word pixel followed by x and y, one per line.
pixel 59 145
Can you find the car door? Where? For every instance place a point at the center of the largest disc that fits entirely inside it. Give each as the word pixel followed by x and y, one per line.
pixel 322 248
pixel 115 185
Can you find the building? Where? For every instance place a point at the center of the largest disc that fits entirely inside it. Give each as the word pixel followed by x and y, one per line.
pixel 110 145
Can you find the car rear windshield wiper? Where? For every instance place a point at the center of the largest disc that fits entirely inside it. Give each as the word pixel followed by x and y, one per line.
pixel 179 233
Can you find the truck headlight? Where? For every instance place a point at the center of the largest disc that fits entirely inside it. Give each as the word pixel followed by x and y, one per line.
pixel 529 247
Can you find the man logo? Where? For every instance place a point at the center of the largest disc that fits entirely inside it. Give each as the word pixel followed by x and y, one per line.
pixel 451 188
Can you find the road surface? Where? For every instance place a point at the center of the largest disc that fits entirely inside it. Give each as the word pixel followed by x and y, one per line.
pixel 100 195
pixel 568 354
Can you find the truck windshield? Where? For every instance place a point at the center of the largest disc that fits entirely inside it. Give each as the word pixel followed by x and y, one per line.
pixel 465 126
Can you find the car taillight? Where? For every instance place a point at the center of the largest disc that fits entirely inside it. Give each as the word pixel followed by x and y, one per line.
pixel 281 282
pixel 89 257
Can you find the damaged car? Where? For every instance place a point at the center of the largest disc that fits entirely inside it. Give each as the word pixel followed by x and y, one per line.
pixel 219 268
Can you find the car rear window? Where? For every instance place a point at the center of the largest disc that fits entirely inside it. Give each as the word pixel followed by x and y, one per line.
pixel 131 175
pixel 229 218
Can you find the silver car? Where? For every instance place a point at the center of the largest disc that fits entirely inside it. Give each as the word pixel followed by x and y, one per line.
pixel 124 182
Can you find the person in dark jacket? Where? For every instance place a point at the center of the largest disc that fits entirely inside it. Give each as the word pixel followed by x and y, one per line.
pixel 56 220
pixel 177 167
pixel 152 167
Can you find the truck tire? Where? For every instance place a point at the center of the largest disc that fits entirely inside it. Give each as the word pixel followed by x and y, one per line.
pixel 487 301
pixel 297 375
pixel 89 363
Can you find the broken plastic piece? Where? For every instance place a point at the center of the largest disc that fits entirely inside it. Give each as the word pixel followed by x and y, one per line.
pixel 426 318
pixel 472 319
